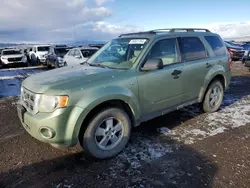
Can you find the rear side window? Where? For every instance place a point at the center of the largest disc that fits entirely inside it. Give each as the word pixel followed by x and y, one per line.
pixel 216 45
pixel 192 49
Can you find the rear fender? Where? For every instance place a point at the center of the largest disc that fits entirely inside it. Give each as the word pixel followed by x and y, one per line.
pixel 215 71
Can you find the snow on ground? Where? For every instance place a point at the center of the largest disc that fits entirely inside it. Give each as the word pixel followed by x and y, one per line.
pixel 234 112
pixel 11 79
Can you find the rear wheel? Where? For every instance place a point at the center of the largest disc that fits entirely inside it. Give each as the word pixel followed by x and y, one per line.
pixel 107 133
pixel 213 97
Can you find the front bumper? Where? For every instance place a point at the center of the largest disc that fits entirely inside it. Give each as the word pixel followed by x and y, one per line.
pixel 62 121
pixel 42 60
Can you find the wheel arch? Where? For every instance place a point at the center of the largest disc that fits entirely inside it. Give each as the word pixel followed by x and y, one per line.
pixel 103 105
pixel 219 77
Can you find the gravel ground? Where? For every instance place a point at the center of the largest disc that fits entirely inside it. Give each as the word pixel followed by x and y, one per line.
pixel 185 148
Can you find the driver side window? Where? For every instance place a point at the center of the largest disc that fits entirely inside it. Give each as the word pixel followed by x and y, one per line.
pixel 165 49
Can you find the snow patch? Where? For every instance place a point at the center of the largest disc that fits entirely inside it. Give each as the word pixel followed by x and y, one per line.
pixel 234 113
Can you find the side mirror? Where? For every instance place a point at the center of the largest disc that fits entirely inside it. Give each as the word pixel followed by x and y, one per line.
pixel 152 64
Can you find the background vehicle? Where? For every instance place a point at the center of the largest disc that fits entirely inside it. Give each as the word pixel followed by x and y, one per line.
pixel 11 57
pixel 236 51
pixel 77 56
pixel 160 71
pixel 55 56
pixel 37 55
pixel 96 45
pixel 246 46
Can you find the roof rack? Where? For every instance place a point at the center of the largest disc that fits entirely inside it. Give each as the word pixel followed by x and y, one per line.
pixel 169 30
pixel 172 30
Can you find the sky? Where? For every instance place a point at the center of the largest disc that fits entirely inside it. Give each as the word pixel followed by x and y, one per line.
pixel 46 21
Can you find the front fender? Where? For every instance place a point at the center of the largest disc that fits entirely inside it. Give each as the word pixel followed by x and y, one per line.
pixel 97 96
pixel 213 72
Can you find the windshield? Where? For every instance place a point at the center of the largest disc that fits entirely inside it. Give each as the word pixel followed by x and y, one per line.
pixel 61 51
pixel 88 52
pixel 11 52
pixel 119 53
pixel 43 48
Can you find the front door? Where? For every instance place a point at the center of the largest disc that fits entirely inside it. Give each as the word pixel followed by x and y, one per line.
pixel 161 89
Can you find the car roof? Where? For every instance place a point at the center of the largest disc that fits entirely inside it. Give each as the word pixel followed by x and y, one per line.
pixel 174 32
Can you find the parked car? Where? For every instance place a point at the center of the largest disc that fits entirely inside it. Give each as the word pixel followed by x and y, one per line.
pixel 77 56
pixel 55 56
pixel 97 105
pixel 246 46
pixel 96 45
pixel 235 51
pixel 37 55
pixel 10 57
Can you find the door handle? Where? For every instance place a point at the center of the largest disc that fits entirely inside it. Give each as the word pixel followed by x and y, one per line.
pixel 208 65
pixel 176 72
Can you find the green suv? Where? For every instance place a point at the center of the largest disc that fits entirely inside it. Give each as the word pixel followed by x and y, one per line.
pixel 133 78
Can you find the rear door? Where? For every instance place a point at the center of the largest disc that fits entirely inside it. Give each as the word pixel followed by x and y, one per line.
pixel 197 64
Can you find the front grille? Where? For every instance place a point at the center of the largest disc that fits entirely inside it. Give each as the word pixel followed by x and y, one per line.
pixel 29 101
pixel 13 59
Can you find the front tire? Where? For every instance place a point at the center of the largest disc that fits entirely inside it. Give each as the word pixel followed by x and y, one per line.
pixel 213 97
pixel 107 133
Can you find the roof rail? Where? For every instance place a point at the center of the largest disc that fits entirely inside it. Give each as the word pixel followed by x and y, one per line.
pixel 172 30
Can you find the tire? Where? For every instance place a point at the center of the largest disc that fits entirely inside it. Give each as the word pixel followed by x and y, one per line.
pixel 65 64
pixel 48 64
pixel 91 142
pixel 56 64
pixel 38 61
pixel 209 105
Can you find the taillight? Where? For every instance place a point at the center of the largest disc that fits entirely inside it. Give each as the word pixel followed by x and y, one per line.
pixel 230 52
pixel 229 63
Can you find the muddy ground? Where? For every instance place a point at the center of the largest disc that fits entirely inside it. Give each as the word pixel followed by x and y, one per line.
pixel 183 149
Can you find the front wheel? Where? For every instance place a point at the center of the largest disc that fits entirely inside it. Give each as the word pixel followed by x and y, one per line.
pixel 213 97
pixel 107 133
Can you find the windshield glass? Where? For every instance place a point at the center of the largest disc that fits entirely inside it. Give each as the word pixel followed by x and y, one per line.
pixel 11 52
pixel 43 48
pixel 61 51
pixel 88 52
pixel 119 53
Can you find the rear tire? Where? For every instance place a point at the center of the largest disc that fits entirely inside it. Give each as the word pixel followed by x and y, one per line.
pixel 213 97
pixel 107 133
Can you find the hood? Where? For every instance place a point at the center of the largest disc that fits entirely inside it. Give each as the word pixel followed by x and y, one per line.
pixel 235 47
pixel 64 78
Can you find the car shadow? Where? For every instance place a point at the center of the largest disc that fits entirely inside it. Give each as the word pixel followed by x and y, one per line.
pixel 183 166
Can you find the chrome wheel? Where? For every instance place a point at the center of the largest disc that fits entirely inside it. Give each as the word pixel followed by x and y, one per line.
pixel 109 133
pixel 215 96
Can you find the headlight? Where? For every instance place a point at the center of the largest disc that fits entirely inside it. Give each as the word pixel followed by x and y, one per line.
pixel 4 57
pixel 50 103
pixel 60 60
pixel 41 56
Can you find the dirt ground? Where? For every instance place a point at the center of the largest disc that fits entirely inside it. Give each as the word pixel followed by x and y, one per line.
pixel 185 148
